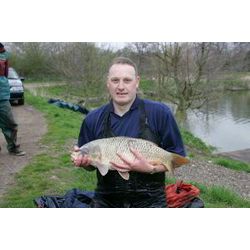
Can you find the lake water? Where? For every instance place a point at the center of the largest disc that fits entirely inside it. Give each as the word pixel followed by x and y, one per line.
pixel 224 123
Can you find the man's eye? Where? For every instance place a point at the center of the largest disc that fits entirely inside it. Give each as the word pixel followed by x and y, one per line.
pixel 127 80
pixel 115 80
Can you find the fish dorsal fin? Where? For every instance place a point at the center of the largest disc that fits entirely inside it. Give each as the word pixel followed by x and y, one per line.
pixel 124 175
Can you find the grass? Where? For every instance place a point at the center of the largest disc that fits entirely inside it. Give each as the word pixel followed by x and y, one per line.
pixel 52 173
pixel 75 95
pixel 46 176
pixel 42 79
pixel 232 164
pixel 58 91
pixel 195 144
pixel 218 197
pixel 235 79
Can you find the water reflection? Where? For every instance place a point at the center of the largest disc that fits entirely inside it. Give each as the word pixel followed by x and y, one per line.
pixel 224 123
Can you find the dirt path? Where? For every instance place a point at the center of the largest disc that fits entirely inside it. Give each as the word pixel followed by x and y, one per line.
pixel 32 126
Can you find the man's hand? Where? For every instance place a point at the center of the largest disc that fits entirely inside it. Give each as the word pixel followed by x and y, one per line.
pixel 78 159
pixel 139 164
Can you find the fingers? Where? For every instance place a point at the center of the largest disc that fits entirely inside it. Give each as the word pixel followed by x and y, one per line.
pixel 137 163
pixel 127 164
pixel 84 161
pixel 77 162
pixel 80 160
pixel 120 167
pixel 73 155
pixel 136 153
pixel 87 161
pixel 76 148
pixel 125 160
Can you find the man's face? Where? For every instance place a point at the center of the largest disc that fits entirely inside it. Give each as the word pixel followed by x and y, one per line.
pixel 122 84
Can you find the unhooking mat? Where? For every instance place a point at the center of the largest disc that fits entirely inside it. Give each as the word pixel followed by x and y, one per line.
pixel 68 105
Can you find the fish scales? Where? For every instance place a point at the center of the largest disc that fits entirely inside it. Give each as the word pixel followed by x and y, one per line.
pixel 103 151
pixel 111 146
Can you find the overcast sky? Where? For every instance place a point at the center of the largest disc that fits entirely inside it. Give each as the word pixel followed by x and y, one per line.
pixel 114 45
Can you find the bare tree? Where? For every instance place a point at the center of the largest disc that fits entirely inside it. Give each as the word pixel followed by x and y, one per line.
pixel 30 58
pixel 182 73
pixel 84 65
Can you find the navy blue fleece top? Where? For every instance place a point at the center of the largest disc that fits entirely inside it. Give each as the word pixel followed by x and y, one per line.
pixel 160 119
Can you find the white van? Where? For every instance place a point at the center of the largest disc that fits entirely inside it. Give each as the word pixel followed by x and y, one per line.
pixel 16 87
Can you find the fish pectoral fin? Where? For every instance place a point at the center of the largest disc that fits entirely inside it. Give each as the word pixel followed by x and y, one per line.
pixel 96 151
pixel 103 168
pixel 124 175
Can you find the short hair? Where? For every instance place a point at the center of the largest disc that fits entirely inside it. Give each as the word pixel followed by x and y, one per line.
pixel 124 60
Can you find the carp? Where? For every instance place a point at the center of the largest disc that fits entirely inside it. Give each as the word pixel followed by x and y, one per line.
pixel 103 151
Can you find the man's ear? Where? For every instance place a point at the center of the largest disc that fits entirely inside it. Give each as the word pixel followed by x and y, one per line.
pixel 107 80
pixel 107 83
pixel 138 81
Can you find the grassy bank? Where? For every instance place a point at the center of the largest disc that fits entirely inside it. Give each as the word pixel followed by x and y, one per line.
pixel 232 164
pixel 218 197
pixel 196 148
pixel 42 79
pixel 52 173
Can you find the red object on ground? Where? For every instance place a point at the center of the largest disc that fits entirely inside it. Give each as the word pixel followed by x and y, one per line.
pixel 180 193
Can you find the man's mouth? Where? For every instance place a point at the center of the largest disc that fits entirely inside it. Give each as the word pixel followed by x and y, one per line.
pixel 121 94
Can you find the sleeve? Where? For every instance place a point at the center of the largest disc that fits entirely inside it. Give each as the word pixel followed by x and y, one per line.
pixel 85 134
pixel 170 133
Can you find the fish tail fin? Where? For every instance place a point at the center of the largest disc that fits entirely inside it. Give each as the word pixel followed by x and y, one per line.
pixel 179 160
pixel 176 161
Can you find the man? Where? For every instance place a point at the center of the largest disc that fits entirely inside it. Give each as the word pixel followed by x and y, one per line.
pixel 7 122
pixel 128 115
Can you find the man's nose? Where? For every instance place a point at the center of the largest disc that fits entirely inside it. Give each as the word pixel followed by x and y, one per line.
pixel 121 85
